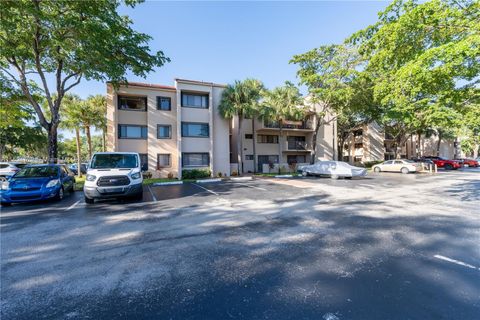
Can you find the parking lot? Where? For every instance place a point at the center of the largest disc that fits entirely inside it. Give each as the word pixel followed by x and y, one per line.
pixel 300 248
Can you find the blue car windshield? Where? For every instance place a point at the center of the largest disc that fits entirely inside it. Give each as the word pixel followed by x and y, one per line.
pixel 111 161
pixel 37 172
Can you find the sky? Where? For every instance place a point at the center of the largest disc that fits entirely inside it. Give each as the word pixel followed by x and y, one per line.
pixel 225 41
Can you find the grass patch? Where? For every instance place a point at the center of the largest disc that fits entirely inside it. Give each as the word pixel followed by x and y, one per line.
pixel 79 182
pixel 157 180
pixel 276 174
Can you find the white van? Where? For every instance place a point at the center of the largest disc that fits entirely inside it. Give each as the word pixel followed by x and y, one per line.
pixel 113 175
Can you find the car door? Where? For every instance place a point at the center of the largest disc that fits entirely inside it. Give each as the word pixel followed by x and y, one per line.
pixel 387 165
pixel 66 179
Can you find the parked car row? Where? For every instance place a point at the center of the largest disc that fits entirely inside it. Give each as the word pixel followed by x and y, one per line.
pixel 37 182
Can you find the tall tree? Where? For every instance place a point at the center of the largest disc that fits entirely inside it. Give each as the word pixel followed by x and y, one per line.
pixel 281 104
pixel 240 100
pixel 336 84
pixel 71 120
pixel 424 59
pixel 98 106
pixel 66 41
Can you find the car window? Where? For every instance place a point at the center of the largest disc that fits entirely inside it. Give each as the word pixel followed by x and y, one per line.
pixel 398 162
pixel 37 172
pixel 388 162
pixel 116 160
pixel 408 161
pixel 3 166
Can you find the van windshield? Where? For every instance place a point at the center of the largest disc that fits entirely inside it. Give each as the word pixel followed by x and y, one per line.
pixel 111 161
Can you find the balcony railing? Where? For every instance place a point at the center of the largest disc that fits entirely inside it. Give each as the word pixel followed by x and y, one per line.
pixel 306 125
pixel 298 146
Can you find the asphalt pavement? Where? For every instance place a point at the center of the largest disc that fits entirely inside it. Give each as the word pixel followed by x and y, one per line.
pixel 388 246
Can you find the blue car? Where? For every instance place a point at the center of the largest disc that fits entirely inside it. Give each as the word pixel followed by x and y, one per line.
pixel 37 182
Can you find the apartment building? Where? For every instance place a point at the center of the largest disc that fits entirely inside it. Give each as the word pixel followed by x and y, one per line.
pixel 263 145
pixel 172 127
pixel 370 142
pixel 365 144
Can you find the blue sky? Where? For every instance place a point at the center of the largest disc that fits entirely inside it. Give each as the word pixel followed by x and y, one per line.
pixel 224 41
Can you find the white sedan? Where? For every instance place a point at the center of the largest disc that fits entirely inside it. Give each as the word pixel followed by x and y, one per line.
pixel 398 165
pixel 333 169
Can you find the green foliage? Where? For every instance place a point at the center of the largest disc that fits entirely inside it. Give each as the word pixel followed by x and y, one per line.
pixel 282 103
pixel 240 99
pixel 424 59
pixel 68 41
pixel 196 174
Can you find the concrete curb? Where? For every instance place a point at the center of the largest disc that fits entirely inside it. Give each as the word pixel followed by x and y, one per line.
pixel 166 183
pixel 242 179
pixel 284 176
pixel 209 180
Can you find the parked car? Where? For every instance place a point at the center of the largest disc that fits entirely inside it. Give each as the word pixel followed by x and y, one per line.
pixel 113 175
pixel 83 168
pixel 333 169
pixel 469 162
pixel 398 165
pixel 445 163
pixel 37 182
pixel 8 169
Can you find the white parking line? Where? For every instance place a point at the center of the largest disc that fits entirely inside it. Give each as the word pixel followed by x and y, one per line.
pixel 460 263
pixel 153 196
pixel 72 206
pixel 254 187
pixel 205 189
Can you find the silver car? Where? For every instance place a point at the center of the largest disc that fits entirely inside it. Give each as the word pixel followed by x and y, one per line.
pixel 333 169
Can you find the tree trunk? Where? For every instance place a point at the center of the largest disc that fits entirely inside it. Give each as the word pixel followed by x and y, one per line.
pixel 52 144
pixel 104 142
pixel 280 149
pixel 240 145
pixel 254 147
pixel 89 141
pixel 418 145
pixel 79 157
pixel 314 141
pixel 440 134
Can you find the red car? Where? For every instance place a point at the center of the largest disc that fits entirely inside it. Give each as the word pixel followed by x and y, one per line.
pixel 445 163
pixel 470 162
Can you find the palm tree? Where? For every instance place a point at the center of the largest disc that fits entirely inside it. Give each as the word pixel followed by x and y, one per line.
pixel 70 120
pixel 240 100
pixel 98 106
pixel 88 118
pixel 280 104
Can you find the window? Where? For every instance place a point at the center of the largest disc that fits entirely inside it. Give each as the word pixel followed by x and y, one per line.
pixel 3 166
pixel 163 160
pixel 357 159
pixel 127 131
pixel 164 103
pixel 249 157
pixel 144 161
pixel 358 145
pixel 191 129
pixel 195 159
pixel 248 136
pixel 195 100
pixel 132 103
pixel 388 162
pixel 263 138
pixel 358 133
pixel 164 131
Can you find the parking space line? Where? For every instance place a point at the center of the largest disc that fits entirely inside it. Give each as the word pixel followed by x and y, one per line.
pixel 205 189
pixel 73 205
pixel 151 192
pixel 254 187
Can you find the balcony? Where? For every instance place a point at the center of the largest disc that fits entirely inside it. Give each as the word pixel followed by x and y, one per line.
pixel 297 146
pixel 305 125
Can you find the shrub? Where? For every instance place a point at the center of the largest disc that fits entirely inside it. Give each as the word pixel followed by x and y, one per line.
pixel 196 174
pixel 219 174
pixel 234 173
pixel 147 175
pixel 369 164
pixel 170 175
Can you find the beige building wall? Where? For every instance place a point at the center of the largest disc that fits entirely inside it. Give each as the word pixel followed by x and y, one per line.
pixel 216 145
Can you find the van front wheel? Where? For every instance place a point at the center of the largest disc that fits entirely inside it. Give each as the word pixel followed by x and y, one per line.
pixel 89 201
